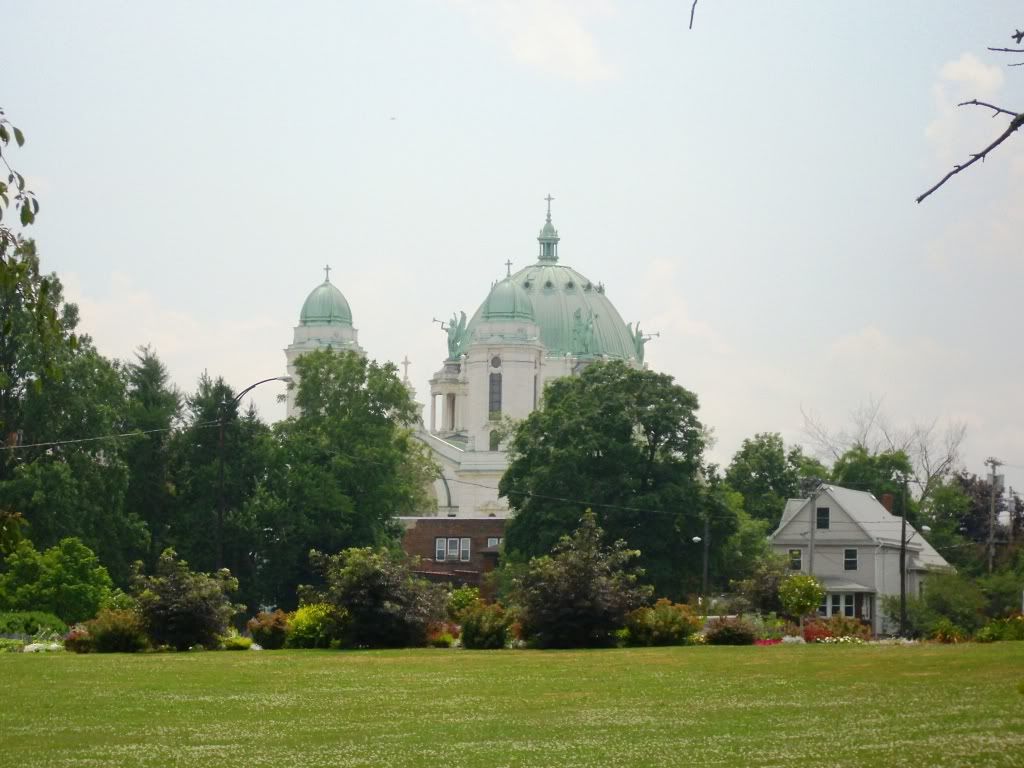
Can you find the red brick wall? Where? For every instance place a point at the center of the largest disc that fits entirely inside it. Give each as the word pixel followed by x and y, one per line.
pixel 418 541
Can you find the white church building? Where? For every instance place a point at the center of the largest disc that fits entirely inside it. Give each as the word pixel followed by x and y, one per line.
pixel 545 321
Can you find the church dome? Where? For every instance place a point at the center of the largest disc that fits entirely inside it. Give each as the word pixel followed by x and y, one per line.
pixel 507 301
pixel 325 306
pixel 573 313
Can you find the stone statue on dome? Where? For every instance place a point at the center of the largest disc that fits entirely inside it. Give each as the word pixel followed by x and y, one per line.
pixel 456 329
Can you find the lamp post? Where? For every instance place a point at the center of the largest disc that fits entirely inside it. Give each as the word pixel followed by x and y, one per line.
pixel 220 454
pixel 704 569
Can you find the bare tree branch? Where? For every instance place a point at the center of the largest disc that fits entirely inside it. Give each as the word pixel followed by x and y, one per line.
pixel 998 110
pixel 693 8
pixel 1008 50
pixel 1015 124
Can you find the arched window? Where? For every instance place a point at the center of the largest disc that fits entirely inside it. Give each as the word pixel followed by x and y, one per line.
pixel 494 440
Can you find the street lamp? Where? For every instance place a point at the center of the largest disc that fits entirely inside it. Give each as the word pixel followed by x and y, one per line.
pixel 704 569
pixel 220 452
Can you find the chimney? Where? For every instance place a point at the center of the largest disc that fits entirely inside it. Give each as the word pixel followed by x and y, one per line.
pixel 887 502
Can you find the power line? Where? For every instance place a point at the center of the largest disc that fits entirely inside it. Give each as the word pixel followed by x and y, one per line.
pixel 117 436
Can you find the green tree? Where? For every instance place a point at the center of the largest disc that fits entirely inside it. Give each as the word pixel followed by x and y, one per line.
pixel 760 589
pixel 194 466
pixel 580 595
pixel 152 408
pixel 801 594
pixel 342 471
pixel 626 442
pixel 767 475
pixel 384 604
pixel 66 580
pixel 876 473
pixel 182 608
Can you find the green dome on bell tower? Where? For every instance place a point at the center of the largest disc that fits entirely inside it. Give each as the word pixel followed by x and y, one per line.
pixel 326 305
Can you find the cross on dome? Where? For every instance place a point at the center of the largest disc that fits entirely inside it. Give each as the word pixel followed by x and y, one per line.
pixel 406 362
pixel 549 198
pixel 327 273
pixel 508 268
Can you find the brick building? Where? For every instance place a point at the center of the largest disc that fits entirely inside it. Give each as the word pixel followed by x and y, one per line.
pixel 459 550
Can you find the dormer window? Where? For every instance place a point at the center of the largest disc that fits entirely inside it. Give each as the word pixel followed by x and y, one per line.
pixel 570 285
pixel 549 284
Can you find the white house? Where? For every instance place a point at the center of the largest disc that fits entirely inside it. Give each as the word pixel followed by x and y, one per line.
pixel 854 550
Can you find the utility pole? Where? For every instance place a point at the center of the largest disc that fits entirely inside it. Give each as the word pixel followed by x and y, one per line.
pixel 1012 507
pixel 903 559
pixel 707 546
pixel 995 479
pixel 813 516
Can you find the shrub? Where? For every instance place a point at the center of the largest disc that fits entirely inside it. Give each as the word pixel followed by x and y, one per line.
pixel 385 605
pixel 730 632
pixel 66 580
pixel 771 627
pixel 236 643
pixel 945 631
pixel 666 623
pixel 441 640
pixel 29 623
pixel 78 640
pixel 578 596
pixel 461 600
pixel 842 626
pixel 114 631
pixel 486 627
pixel 801 594
pixel 313 625
pixel 9 645
pixel 270 630
pixel 816 630
pixel 1011 628
pixel 181 608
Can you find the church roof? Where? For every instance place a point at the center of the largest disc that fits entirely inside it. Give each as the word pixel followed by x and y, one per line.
pixel 574 314
pixel 325 305
pixel 507 301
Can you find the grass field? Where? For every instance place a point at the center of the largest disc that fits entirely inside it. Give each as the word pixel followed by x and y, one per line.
pixel 794 706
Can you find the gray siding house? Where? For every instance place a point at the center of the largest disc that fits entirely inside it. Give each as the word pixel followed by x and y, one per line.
pixel 856 551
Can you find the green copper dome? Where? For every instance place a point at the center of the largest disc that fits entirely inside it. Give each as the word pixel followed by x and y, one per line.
pixel 507 301
pixel 326 306
pixel 574 314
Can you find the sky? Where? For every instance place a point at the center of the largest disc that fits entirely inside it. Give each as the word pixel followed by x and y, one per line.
pixel 745 188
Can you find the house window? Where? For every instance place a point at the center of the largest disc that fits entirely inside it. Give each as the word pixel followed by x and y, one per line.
pixel 464 551
pixel 453 549
pixel 848 605
pixel 823 608
pixel 837 603
pixel 822 523
pixel 494 401
pixel 492 541
pixel 865 608
pixel 795 562
pixel 439 548
pixel 493 440
pixel 849 559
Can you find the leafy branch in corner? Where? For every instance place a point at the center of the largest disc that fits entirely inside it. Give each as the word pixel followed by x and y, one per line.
pixel 1015 123
pixel 13 192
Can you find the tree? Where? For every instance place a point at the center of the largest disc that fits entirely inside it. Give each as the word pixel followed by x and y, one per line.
pixel 761 588
pixel 182 608
pixel 628 444
pixel 341 472
pixel 384 604
pixel 153 406
pixel 1016 121
pixel 66 580
pixel 767 475
pixel 24 199
pixel 801 594
pixel 578 596
pixel 876 473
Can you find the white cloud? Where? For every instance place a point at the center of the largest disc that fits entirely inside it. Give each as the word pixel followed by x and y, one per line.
pixel 548 35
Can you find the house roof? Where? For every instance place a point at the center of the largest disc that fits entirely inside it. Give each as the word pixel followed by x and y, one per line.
pixel 875 520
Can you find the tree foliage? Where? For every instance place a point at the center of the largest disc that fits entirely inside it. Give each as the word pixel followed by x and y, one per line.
pixel 384 604
pixel 342 471
pixel 766 474
pixel 578 596
pixel 801 594
pixel 183 608
pixel 626 442
pixel 66 580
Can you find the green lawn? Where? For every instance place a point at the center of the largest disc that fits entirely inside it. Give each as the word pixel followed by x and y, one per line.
pixel 794 706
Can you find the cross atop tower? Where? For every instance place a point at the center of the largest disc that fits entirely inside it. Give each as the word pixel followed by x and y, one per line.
pixel 508 268
pixel 549 198
pixel 327 273
pixel 406 362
